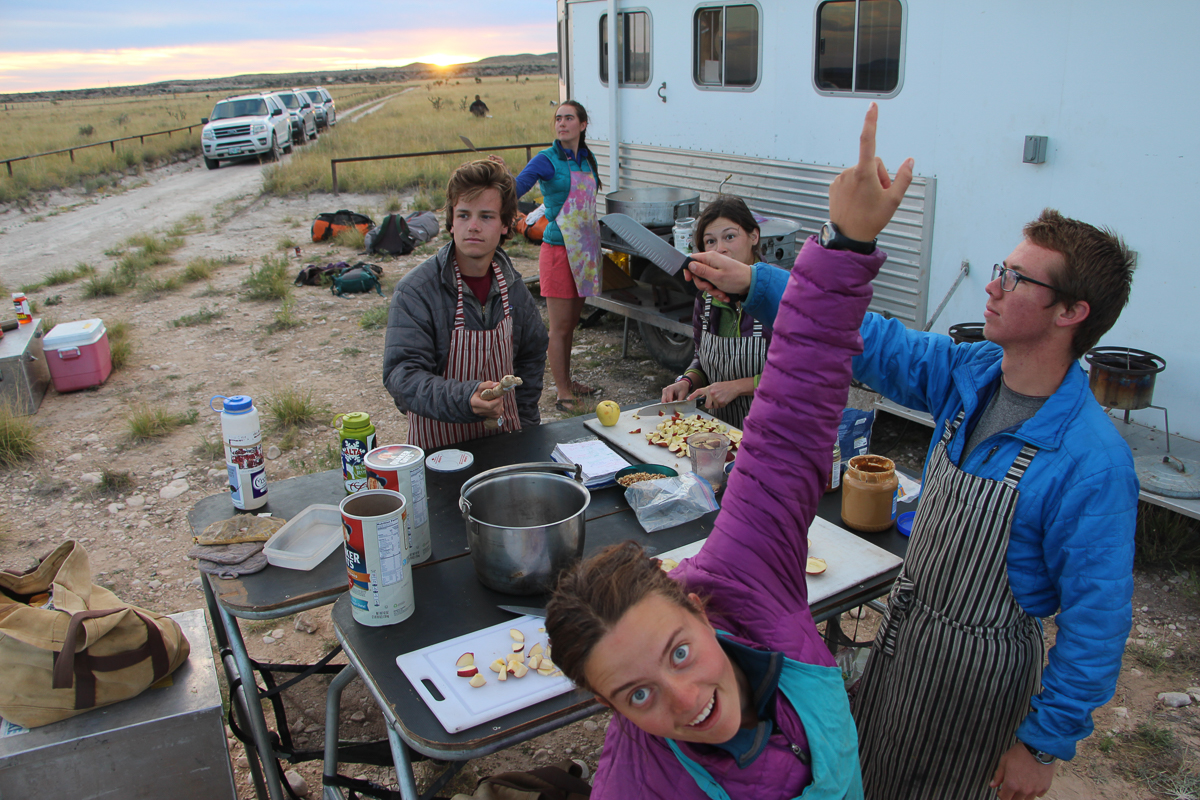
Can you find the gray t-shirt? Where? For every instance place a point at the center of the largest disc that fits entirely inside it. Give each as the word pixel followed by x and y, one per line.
pixel 1005 410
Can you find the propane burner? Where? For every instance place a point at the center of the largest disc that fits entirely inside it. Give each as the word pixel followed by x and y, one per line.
pixel 1122 377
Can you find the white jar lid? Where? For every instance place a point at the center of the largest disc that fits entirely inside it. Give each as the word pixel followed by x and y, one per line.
pixel 449 460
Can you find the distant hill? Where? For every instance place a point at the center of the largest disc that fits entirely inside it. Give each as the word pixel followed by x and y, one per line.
pixel 516 65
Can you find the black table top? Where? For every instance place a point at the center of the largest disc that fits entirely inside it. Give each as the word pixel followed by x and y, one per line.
pixel 450 601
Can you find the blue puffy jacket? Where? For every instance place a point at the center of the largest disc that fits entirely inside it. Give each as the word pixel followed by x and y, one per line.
pixel 1071 546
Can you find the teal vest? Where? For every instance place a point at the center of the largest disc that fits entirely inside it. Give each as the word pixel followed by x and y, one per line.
pixel 819 696
pixel 555 190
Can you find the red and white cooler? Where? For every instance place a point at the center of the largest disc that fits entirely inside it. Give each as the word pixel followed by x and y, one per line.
pixel 78 355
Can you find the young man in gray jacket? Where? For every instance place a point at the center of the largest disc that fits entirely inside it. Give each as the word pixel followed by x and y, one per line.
pixel 463 320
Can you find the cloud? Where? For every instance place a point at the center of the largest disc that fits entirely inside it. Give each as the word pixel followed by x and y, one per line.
pixel 77 69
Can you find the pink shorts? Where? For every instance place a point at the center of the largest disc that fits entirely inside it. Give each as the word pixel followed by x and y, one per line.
pixel 554 272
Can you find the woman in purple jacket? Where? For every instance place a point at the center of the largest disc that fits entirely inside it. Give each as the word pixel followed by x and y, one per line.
pixel 721 683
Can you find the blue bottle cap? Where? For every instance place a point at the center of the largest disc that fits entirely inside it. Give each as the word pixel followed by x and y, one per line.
pixel 238 404
pixel 904 522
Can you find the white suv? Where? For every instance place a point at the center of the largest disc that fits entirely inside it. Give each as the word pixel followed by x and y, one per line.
pixel 246 126
pixel 323 104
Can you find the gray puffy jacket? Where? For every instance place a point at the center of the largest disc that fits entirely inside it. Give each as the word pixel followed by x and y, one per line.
pixel 417 344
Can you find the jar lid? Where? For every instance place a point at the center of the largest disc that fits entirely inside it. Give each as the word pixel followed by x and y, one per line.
pixel 355 419
pixel 449 460
pixel 238 404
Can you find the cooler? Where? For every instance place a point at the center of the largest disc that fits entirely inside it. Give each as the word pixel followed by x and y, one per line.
pixel 78 355
pixel 23 374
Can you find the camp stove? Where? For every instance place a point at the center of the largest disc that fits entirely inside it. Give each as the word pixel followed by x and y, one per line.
pixel 1122 377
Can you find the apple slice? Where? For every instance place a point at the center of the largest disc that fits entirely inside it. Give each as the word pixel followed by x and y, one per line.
pixel 478 681
pixel 465 666
pixel 518 647
pixel 498 665
pixel 503 675
pixel 519 670
pixel 516 635
pixel 534 661
pixel 815 566
pixel 536 650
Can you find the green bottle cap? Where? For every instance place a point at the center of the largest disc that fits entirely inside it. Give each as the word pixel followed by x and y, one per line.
pixel 356 420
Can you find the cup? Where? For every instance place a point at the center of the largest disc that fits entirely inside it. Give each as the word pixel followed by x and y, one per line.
pixel 707 451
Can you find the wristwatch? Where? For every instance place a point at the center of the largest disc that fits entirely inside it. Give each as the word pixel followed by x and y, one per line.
pixel 687 378
pixel 1043 758
pixel 833 239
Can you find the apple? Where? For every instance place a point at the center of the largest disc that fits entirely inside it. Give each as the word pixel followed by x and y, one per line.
pixel 516 635
pixel 815 566
pixel 519 670
pixel 536 650
pixel 478 681
pixel 503 675
pixel 534 661
pixel 608 412
pixel 466 665
pixel 498 665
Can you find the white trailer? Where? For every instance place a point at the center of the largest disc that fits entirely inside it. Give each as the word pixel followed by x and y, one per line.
pixel 774 92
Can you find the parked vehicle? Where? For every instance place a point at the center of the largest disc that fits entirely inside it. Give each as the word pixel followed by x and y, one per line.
pixel 323 105
pixel 303 115
pixel 246 126
pixel 1004 114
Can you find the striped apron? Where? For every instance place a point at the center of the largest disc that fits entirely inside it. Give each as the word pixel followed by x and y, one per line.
pixel 956 659
pixel 730 358
pixel 474 356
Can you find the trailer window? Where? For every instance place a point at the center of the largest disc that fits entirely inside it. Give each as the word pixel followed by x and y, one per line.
pixel 860 47
pixel 633 53
pixel 726 47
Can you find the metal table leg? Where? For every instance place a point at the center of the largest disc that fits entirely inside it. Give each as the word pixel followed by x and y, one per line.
pixel 625 340
pixel 232 678
pixel 333 704
pixel 258 724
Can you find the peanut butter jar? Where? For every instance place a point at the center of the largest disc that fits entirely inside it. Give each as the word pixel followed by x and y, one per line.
pixel 869 493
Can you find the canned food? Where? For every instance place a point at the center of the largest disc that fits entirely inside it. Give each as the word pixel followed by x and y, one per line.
pixel 401 468
pixel 377 565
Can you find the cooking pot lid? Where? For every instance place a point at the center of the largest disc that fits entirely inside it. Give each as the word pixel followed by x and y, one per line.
pixel 449 460
pixel 1175 478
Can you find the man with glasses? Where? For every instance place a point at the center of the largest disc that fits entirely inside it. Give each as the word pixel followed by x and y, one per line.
pixel 1027 510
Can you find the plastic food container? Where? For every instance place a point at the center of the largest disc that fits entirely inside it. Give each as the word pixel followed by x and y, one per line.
pixel 306 539
pixel 78 355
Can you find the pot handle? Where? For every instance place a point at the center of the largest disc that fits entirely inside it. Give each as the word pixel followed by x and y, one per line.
pixel 675 208
pixel 464 505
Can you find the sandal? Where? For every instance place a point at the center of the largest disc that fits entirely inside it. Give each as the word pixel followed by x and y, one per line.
pixel 567 405
pixel 583 390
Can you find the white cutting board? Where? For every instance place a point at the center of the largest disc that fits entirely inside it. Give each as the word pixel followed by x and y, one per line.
pixel 849 560
pixel 464 706
pixel 647 419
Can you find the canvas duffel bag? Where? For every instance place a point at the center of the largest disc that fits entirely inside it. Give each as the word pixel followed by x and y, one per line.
pixel 81 648
pixel 328 225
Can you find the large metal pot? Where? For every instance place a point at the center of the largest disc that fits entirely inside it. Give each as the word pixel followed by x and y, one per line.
pixel 1122 377
pixel 654 207
pixel 525 524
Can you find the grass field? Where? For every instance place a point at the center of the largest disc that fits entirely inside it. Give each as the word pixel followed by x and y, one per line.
pixel 427 116
pixel 46 126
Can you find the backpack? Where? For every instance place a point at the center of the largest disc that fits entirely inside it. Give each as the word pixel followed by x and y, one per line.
pixel 328 225
pixel 392 236
pixel 313 274
pixel 362 277
pixel 423 225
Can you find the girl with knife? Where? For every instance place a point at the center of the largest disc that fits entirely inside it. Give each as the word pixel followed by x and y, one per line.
pixel 722 685
pixel 569 260
pixel 731 345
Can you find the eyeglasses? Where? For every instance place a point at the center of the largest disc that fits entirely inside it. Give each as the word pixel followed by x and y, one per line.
pixel 1009 278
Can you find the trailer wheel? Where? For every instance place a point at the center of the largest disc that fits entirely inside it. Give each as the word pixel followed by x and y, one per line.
pixel 672 350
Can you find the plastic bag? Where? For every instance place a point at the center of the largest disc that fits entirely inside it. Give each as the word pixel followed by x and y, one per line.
pixel 668 502
pixel 853 663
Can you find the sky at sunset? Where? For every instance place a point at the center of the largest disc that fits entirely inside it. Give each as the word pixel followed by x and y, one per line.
pixel 73 44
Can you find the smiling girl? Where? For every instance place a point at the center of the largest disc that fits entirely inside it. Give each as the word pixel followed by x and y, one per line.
pixel 721 684
pixel 731 345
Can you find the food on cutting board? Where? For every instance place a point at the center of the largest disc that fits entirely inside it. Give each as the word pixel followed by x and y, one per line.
pixel 466 665
pixel 638 477
pixel 672 432
pixel 668 564
pixel 511 664
pixel 608 413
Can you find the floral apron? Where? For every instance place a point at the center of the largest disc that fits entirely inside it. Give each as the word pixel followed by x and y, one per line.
pixel 729 358
pixel 474 355
pixel 819 696
pixel 580 228
pixel 956 659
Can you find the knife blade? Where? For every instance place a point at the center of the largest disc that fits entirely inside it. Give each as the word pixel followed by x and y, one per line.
pixel 468 143
pixel 636 235
pixel 524 610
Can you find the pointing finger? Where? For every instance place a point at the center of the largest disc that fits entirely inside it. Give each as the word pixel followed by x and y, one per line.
pixel 866 142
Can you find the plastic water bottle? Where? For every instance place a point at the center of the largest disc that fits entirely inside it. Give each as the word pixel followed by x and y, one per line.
pixel 242 436
pixel 357 438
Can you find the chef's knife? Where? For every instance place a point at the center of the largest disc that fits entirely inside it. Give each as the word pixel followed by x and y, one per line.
pixel 523 610
pixel 666 257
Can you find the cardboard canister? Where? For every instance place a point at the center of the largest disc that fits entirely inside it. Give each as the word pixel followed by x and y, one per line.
pixel 376 544
pixel 401 468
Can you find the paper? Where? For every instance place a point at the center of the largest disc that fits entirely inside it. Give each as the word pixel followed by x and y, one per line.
pixel 599 461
